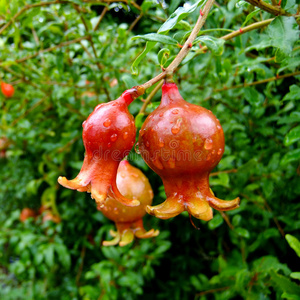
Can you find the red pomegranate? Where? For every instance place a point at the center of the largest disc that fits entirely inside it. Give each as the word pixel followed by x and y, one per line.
pixel 108 136
pixel 133 184
pixel 7 89
pixel 182 143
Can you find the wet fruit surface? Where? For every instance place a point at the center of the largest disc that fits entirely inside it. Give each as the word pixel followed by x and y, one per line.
pixel 108 136
pixel 133 184
pixel 182 143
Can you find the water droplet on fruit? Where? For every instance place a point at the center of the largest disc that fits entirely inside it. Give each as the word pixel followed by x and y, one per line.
pixel 97 107
pixel 220 151
pixel 171 163
pixel 114 137
pixel 161 114
pixel 176 128
pixel 219 127
pixel 101 206
pixel 136 148
pixel 125 135
pixel 161 143
pixel 108 145
pixel 147 144
pixel 107 123
pixel 208 157
pixel 213 152
pixel 142 132
pixel 175 111
pixel 158 164
pixel 84 122
pixel 208 144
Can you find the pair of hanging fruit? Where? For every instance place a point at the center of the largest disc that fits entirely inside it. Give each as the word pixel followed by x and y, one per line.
pixel 181 142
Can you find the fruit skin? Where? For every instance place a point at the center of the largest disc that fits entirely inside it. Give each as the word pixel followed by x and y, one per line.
pixel 133 184
pixel 7 89
pixel 182 143
pixel 108 136
pixel 27 213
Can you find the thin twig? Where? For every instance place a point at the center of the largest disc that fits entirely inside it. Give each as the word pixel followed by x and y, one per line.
pixel 213 291
pixel 135 21
pixel 52 48
pixel 150 96
pixel 104 11
pixel 242 85
pixel 25 8
pixel 223 172
pixel 226 219
pixel 274 10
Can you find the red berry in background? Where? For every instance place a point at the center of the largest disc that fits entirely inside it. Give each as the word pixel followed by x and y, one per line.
pixel 182 143
pixel 133 184
pixel 27 213
pixel 7 89
pixel 49 216
pixel 108 136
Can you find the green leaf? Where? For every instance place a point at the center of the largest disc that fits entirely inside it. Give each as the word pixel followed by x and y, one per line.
pixel 253 96
pixel 139 120
pixel 291 156
pixel 215 222
pixel 289 296
pixel 294 93
pixel 292 136
pixel 284 283
pixel 295 275
pixel 178 15
pixel 3 6
pixel 242 232
pixel 250 16
pixel 283 34
pixel 129 81
pixel 294 243
pixel 146 5
pixel 134 66
pixel 154 37
pixel 215 45
pixel 163 56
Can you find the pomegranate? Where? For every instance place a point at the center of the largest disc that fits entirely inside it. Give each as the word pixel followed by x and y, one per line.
pixel 133 184
pixel 182 143
pixel 7 89
pixel 108 136
pixel 27 213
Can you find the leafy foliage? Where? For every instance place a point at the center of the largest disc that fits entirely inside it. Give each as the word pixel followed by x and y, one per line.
pixel 63 59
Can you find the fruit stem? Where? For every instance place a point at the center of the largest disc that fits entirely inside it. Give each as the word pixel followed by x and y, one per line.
pixel 185 48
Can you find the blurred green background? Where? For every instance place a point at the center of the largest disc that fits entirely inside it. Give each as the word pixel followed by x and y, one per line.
pixel 65 57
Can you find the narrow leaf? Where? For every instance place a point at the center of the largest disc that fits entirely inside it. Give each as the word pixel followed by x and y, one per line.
pixel 178 15
pixel 154 37
pixel 291 156
pixel 215 45
pixel 292 136
pixel 134 66
pixel 294 243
